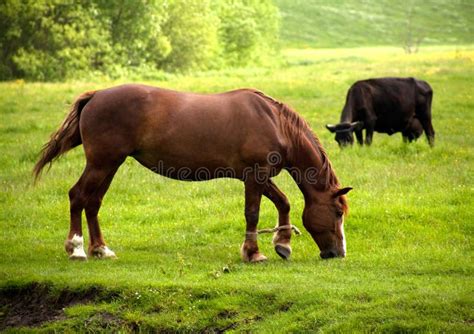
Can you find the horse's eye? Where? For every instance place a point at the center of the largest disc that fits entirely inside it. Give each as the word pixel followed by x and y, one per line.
pixel 339 213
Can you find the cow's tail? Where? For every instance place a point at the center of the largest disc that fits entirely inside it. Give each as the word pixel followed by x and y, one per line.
pixel 66 137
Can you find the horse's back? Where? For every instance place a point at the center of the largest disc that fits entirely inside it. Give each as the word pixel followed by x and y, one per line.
pixel 160 126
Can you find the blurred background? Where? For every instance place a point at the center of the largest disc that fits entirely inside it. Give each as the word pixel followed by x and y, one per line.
pixel 60 40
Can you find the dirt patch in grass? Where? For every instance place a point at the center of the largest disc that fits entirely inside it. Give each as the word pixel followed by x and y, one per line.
pixel 34 304
pixel 106 321
pixel 232 324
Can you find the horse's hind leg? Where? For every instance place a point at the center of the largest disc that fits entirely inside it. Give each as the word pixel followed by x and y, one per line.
pixel 87 194
pixel 97 246
pixel 75 242
pixel 281 238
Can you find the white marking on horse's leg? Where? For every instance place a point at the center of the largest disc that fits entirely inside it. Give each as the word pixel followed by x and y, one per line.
pixel 77 245
pixel 259 257
pixel 243 253
pixel 104 252
pixel 343 238
pixel 255 257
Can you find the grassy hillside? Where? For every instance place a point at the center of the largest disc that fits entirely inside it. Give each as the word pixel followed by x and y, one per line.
pixel 348 23
pixel 409 266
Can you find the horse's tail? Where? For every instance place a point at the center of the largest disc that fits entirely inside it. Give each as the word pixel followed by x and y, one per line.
pixel 66 137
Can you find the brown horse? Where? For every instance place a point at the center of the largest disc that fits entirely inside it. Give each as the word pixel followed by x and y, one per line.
pixel 241 134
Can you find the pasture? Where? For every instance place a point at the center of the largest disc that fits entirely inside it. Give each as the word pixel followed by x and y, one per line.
pixel 409 233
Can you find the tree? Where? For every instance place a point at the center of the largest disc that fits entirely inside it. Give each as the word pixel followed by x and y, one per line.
pixel 248 30
pixel 192 31
pixel 413 34
pixel 48 40
pixel 57 39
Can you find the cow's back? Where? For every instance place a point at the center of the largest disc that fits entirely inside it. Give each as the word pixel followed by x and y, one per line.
pixel 390 102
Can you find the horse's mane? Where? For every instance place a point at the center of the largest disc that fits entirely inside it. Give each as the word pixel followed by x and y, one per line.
pixel 296 128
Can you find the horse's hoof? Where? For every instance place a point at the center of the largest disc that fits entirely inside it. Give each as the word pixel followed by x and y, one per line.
pixel 75 248
pixel 78 257
pixel 283 250
pixel 103 252
pixel 257 257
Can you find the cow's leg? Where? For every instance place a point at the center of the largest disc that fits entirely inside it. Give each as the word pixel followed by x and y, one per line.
pixel 281 238
pixel 424 116
pixel 408 136
pixel 369 132
pixel 359 136
pixel 430 133
pixel 428 128
pixel 253 196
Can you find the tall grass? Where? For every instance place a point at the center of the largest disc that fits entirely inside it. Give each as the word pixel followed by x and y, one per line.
pixel 409 264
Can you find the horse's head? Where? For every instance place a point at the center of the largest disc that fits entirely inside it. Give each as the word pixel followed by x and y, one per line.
pixel 324 220
pixel 345 132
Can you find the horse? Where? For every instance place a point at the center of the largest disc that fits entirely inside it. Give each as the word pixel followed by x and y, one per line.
pixel 241 134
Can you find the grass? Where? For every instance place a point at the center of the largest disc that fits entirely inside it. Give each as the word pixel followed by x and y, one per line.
pixel 409 265
pixel 352 23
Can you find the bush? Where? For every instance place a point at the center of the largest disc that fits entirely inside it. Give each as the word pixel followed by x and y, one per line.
pixel 51 40
pixel 248 30
pixel 192 30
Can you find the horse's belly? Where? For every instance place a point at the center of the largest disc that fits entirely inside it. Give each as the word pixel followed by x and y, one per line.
pixel 193 172
pixel 192 166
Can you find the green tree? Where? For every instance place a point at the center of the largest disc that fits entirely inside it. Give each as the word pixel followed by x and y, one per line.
pixel 60 39
pixel 50 39
pixel 192 30
pixel 248 30
pixel 136 30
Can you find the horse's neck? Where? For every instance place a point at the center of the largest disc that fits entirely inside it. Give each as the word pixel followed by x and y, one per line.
pixel 307 163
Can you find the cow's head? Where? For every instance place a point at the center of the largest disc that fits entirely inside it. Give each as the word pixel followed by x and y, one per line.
pixel 345 132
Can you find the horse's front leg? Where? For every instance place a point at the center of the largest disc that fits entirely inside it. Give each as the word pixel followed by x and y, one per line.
pixel 253 196
pixel 281 238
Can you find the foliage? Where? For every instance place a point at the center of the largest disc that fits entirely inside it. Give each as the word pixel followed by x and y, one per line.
pixel 409 266
pixel 192 27
pixel 54 40
pixel 135 30
pixel 248 30
pixel 47 40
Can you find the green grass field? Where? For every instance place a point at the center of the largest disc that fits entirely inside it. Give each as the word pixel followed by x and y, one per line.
pixel 352 23
pixel 409 265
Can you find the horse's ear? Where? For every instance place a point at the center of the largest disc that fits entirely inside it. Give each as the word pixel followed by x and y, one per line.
pixel 357 125
pixel 342 191
pixel 331 127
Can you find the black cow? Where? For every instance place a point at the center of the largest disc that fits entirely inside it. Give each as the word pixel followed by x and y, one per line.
pixel 386 105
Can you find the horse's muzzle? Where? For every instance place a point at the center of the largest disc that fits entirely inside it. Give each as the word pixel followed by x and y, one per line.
pixel 331 254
